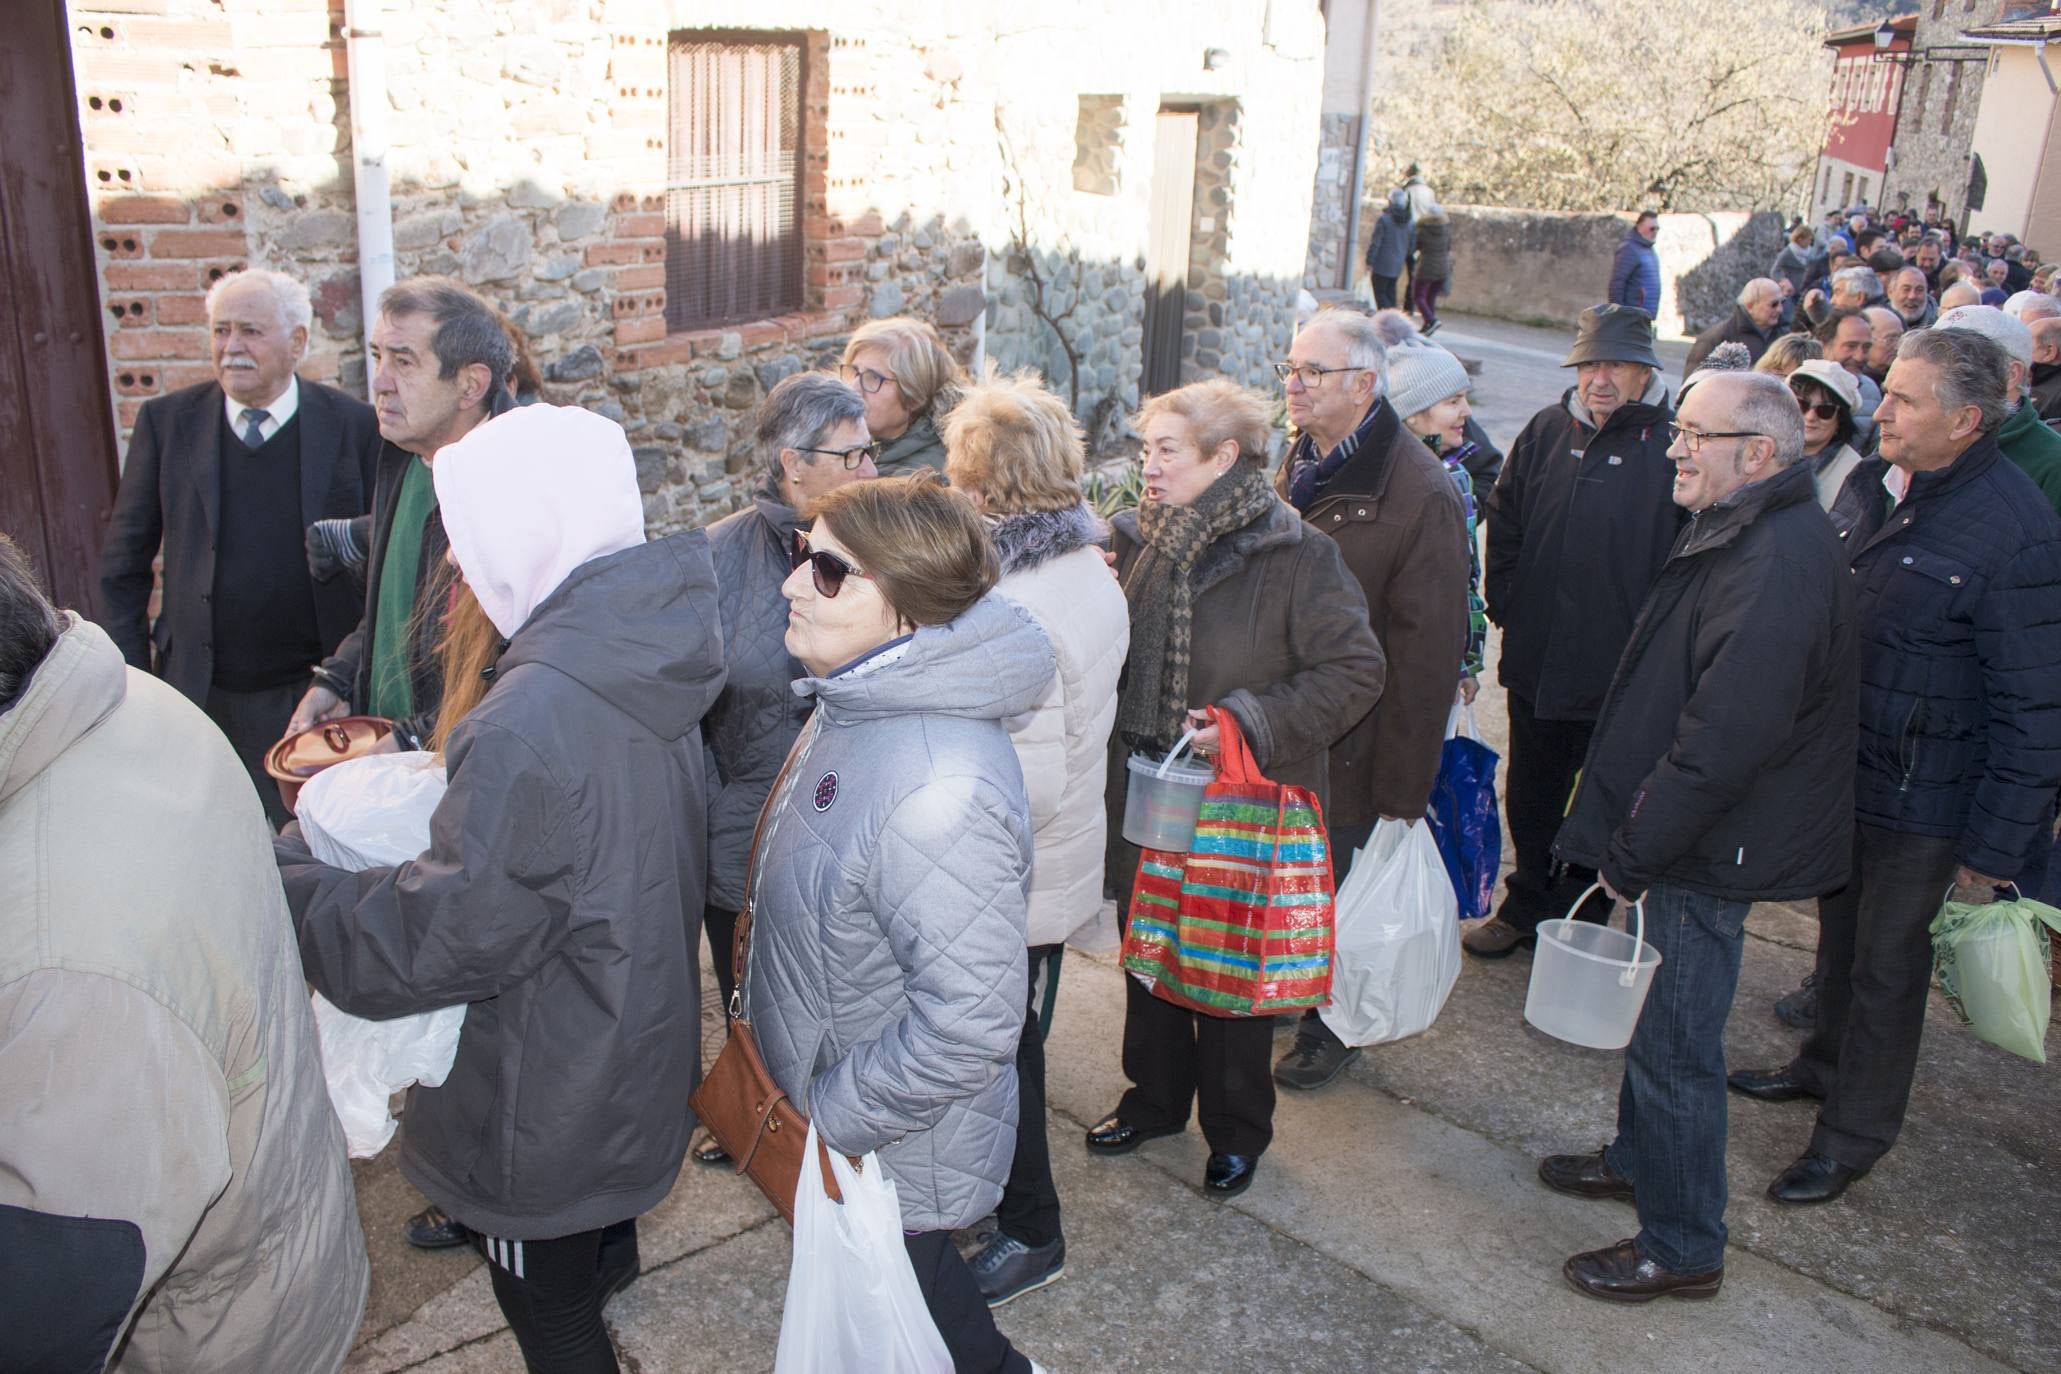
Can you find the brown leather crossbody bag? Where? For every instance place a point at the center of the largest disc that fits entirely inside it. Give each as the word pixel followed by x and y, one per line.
pixel 755 1122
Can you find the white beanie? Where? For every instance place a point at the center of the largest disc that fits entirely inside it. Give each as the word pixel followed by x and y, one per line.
pixel 1993 324
pixel 530 495
pixel 1420 375
pixel 1836 381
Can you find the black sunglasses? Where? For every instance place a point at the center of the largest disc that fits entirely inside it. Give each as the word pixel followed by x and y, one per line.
pixel 828 570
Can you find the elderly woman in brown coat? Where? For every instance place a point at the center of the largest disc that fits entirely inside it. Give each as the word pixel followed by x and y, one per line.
pixel 1236 603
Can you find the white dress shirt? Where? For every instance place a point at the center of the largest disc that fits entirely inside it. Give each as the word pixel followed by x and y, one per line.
pixel 278 412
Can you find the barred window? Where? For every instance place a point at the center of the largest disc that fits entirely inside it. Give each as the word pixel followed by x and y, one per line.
pixel 733 180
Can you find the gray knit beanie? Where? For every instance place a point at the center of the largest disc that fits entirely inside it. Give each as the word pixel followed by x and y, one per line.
pixel 1420 375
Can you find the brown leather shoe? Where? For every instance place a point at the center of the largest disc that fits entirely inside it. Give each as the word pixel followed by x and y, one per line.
pixel 1583 1176
pixel 1621 1274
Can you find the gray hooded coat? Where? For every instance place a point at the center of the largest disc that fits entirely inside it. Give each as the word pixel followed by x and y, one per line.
pixel 560 898
pixel 887 959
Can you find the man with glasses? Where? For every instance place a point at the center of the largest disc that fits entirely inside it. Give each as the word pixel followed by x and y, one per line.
pixel 812 433
pixel 1720 775
pixel 1358 475
pixel 1579 523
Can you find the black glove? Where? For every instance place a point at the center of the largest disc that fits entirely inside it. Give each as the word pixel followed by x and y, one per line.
pixel 333 547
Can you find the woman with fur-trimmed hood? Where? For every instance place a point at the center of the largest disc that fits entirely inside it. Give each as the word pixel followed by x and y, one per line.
pixel 1016 451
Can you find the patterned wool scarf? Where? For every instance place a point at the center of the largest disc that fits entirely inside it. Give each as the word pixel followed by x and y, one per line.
pixel 1161 590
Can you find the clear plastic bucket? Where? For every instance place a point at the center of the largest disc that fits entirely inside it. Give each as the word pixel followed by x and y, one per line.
pixel 1163 798
pixel 1588 982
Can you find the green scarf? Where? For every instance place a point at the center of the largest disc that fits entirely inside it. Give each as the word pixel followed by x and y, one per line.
pixel 1161 588
pixel 393 694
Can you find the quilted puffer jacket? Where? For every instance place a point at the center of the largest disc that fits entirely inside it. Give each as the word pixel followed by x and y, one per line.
pixel 1051 567
pixel 887 964
pixel 1959 594
pixel 753 724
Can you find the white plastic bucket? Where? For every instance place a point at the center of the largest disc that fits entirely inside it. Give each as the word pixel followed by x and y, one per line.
pixel 1163 799
pixel 1588 982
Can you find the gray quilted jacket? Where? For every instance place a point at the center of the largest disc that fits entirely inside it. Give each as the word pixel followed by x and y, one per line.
pixel 887 947
pixel 754 722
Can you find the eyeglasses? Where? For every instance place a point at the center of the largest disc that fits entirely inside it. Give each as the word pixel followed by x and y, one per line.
pixel 851 457
pixel 828 570
pixel 1309 374
pixel 864 378
pixel 1692 439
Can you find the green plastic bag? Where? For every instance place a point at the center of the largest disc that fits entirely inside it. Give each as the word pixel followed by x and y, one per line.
pixel 1992 962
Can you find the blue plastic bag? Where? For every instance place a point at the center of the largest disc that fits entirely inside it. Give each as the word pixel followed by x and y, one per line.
pixel 1464 821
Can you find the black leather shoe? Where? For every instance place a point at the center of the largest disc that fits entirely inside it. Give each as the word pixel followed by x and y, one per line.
pixel 1583 1176
pixel 706 1151
pixel 1813 1178
pixel 1226 1176
pixel 1621 1274
pixel 434 1229
pixel 1115 1136
pixel 1768 1085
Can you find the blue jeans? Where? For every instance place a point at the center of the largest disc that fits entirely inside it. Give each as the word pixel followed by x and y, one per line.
pixel 1671 1107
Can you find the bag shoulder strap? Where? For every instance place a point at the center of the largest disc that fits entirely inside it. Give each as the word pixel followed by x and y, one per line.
pixel 740 943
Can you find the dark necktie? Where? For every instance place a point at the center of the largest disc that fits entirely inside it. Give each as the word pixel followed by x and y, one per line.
pixel 254 426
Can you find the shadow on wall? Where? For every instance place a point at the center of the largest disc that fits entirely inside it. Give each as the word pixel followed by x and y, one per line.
pixel 585 282
pixel 1546 266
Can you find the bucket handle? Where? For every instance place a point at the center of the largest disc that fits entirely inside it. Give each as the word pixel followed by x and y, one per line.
pixel 1628 972
pixel 1175 753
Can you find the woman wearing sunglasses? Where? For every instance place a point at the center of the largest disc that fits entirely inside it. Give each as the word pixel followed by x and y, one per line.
pixel 886 967
pixel 909 380
pixel 812 433
pixel 1237 603
pixel 1828 394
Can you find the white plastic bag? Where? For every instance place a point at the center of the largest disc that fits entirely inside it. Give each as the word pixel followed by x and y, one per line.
pixel 853 1306
pixel 371 812
pixel 1398 925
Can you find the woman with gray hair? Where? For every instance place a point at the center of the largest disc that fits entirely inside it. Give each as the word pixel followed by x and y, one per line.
pixel 908 378
pixel 812 435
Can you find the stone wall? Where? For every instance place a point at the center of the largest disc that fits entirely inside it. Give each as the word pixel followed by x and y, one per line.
pixel 528 158
pixel 1546 267
pixel 1331 205
pixel 1935 125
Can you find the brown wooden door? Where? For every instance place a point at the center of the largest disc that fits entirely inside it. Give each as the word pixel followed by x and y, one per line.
pixel 1166 257
pixel 57 458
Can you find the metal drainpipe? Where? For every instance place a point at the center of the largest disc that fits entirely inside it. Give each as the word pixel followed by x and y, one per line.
pixel 980 321
pixel 365 46
pixel 1352 213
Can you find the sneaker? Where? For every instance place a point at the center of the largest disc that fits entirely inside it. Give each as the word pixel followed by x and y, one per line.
pixel 1006 1268
pixel 1317 1057
pixel 1495 938
pixel 1799 1010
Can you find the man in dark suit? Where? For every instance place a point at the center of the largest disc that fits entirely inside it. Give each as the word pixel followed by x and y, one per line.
pixel 225 477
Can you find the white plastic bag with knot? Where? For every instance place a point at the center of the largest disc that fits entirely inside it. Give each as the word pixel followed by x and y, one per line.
pixel 372 812
pixel 853 1306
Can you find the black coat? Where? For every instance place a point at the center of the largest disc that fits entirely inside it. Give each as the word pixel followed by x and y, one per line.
pixel 1722 758
pixel 171 498
pixel 1738 327
pixel 1579 523
pixel 1959 594
pixel 348 671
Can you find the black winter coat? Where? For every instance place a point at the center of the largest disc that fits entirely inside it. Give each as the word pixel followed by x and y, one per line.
pixel 1738 327
pixel 1579 523
pixel 1720 761
pixel 1958 589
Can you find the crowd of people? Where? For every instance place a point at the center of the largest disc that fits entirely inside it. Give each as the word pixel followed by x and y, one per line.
pixel 1788 630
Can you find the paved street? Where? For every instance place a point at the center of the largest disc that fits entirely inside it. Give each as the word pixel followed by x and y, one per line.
pixel 1396 1223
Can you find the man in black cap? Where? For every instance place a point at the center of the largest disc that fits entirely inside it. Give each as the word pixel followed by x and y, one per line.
pixel 1580 521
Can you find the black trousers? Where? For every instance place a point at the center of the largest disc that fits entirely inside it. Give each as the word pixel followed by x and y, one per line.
pixel 254 721
pixel 1384 292
pixel 961 1313
pixel 1029 1210
pixel 1545 758
pixel 1875 970
pixel 722 932
pixel 1221 1064
pixel 553 1292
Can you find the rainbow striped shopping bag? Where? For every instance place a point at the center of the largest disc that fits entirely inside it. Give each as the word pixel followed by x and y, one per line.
pixel 1241 924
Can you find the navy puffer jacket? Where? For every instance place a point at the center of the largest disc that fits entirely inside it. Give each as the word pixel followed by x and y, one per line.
pixel 1959 594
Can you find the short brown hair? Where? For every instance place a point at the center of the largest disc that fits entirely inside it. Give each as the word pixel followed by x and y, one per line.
pixel 923 544
pixel 917 358
pixel 1017 444
pixel 1216 410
